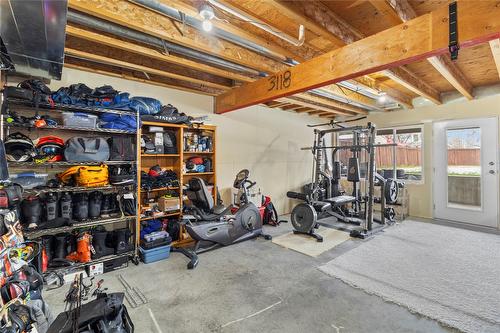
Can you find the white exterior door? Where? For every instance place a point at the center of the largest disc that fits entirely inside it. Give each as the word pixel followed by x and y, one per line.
pixel 466 171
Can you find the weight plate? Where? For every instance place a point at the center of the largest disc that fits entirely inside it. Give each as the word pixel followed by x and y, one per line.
pixel 391 191
pixel 390 214
pixel 304 217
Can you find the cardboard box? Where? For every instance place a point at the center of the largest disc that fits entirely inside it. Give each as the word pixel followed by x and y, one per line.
pixel 168 204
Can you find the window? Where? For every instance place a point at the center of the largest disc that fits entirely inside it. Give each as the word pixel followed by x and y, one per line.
pixel 403 160
pixel 344 154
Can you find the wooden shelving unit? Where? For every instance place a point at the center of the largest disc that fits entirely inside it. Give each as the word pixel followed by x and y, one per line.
pixel 175 162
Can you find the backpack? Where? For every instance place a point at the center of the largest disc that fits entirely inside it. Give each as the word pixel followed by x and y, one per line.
pixel 270 214
pixel 80 149
pixel 41 93
pixel 121 149
pixel 145 105
pixel 170 142
pixel 169 114
pixel 88 176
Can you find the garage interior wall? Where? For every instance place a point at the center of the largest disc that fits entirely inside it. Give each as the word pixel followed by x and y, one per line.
pixel 421 195
pixel 266 141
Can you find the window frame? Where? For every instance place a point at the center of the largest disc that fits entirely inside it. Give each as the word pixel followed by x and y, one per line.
pixel 394 153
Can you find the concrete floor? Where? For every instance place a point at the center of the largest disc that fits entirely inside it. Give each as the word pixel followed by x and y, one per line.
pixel 256 286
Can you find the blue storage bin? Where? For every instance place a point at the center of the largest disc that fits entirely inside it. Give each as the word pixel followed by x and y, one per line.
pixel 156 254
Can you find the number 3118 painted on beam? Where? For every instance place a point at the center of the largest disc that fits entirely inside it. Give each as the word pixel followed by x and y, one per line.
pixel 280 81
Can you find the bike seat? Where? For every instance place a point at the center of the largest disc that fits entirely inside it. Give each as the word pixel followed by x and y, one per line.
pixel 340 200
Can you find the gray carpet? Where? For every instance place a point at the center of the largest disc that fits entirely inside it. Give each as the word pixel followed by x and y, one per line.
pixel 448 274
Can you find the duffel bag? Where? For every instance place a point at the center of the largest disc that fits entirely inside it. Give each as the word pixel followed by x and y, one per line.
pixel 145 105
pixel 88 175
pixel 80 149
pixel 118 121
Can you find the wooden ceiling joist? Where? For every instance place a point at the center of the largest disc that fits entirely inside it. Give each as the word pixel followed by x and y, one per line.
pixel 135 48
pixel 495 50
pixel 122 64
pixel 386 10
pixel 331 103
pixel 308 23
pixel 316 106
pixel 192 11
pixel 331 22
pixel 348 96
pixel 302 109
pixel 135 17
pixel 417 39
pixel 410 81
pixel 449 70
pixel 452 74
pixel 92 68
pixel 372 85
pixel 290 107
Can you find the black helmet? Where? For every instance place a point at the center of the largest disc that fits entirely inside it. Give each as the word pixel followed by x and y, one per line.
pixel 19 148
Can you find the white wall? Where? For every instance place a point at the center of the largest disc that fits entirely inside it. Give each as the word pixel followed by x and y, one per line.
pixel 265 141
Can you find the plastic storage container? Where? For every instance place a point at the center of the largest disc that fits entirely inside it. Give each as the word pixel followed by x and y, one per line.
pixel 79 119
pixel 156 254
pixel 29 180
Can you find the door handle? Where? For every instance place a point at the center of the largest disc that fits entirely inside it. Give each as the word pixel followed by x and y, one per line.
pixel 492 172
pixel 491 163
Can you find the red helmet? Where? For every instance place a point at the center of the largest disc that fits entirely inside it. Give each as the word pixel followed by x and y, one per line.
pixel 50 148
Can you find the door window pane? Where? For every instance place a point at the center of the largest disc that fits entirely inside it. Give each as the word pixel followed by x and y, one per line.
pixel 464 167
pixel 409 154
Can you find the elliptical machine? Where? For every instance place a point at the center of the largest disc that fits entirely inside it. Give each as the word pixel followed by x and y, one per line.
pixel 211 226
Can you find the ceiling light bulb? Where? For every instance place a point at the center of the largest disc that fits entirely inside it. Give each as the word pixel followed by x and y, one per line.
pixel 382 98
pixel 207 25
pixel 206 12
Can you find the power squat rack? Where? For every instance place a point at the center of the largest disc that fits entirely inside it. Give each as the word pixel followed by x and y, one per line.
pixel 324 197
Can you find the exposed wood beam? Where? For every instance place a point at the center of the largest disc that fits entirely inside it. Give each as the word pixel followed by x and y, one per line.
pixel 290 107
pixel 448 69
pixel 312 105
pixel 403 9
pixel 135 17
pixel 192 11
pixel 332 103
pixel 133 78
pixel 323 20
pixel 385 9
pixel 335 25
pixel 409 80
pixel 279 104
pixel 271 104
pixel 349 95
pixel 375 87
pixel 315 112
pixel 150 53
pixel 302 109
pixel 452 74
pixel 495 49
pixel 122 64
pixel 325 115
pixel 417 39
pixel 308 23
